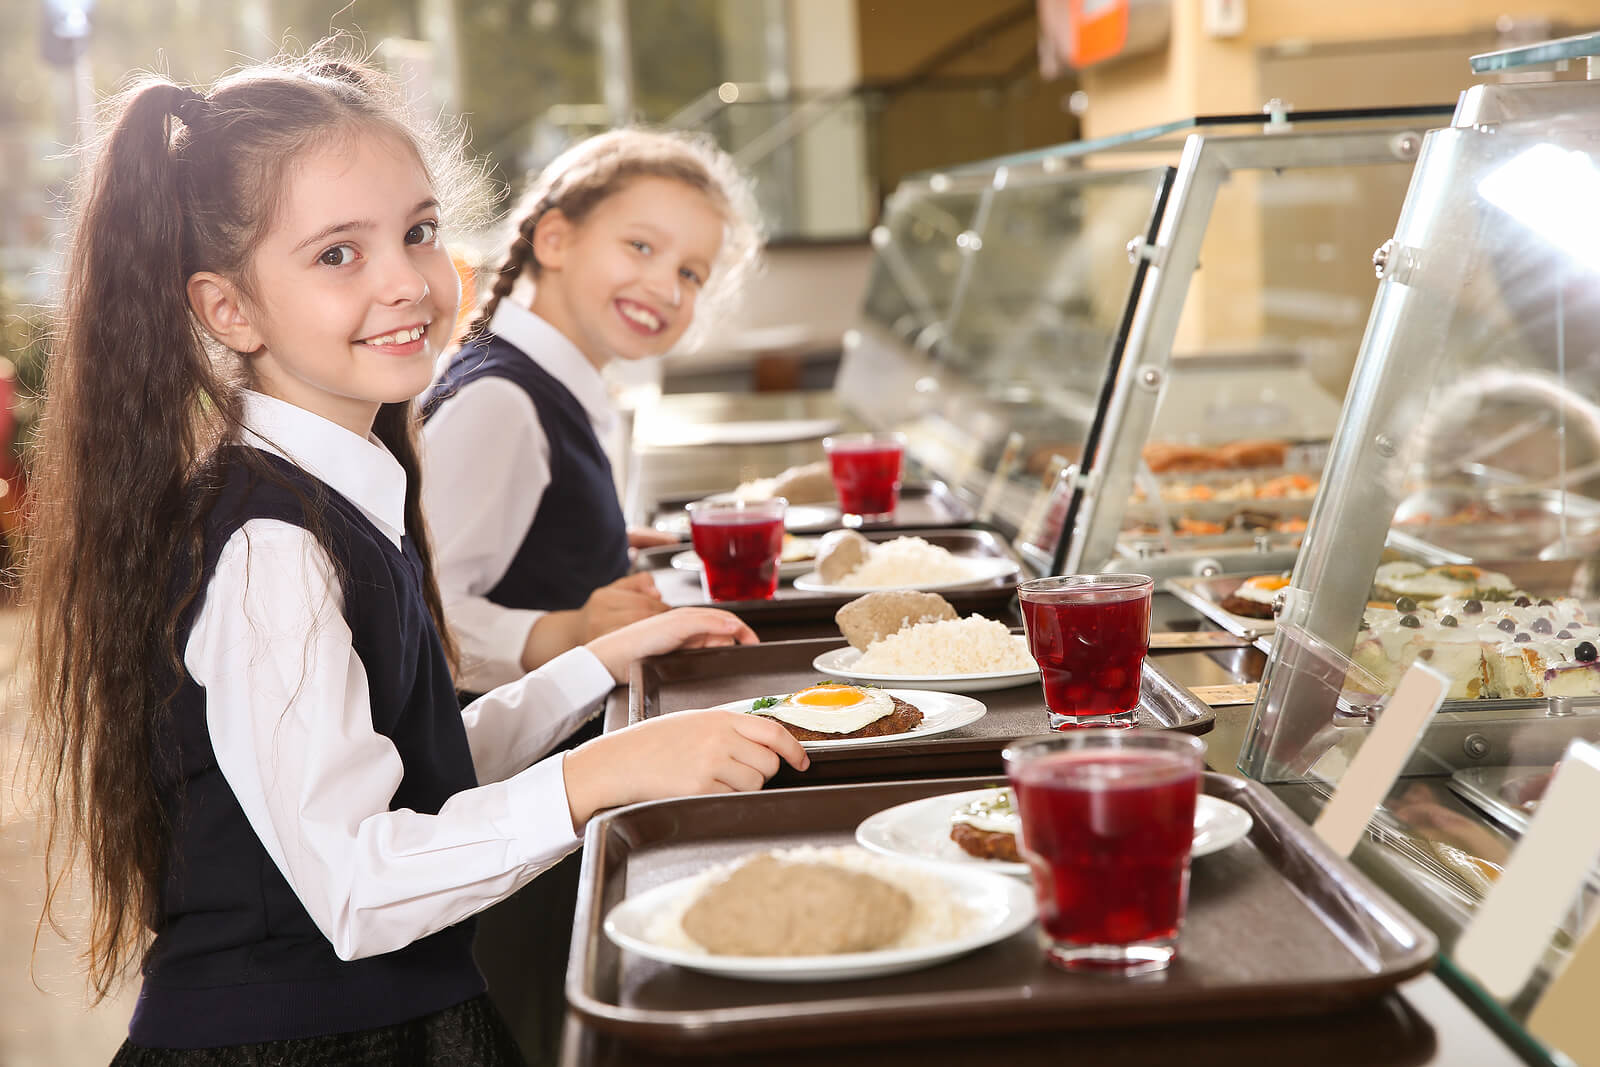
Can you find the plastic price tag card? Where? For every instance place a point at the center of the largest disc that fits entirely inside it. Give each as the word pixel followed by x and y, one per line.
pixel 1511 931
pixel 1384 751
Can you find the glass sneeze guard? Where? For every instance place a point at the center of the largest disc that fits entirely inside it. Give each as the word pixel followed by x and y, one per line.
pixel 1459 521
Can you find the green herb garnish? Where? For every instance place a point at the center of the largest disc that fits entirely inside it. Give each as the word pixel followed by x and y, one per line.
pixel 762 703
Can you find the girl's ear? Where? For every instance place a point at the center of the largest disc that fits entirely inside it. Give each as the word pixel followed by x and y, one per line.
pixel 552 235
pixel 217 303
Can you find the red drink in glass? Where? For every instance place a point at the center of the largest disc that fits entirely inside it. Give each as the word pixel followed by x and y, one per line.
pixel 738 545
pixel 866 473
pixel 1089 635
pixel 1107 831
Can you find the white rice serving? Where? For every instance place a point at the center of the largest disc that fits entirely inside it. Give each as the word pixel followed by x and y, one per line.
pixel 908 562
pixel 973 645
pixel 936 915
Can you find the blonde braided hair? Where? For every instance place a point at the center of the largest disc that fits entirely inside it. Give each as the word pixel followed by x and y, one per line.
pixel 585 175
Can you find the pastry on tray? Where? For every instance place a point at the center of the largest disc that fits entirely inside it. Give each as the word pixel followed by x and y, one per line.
pixel 1253 599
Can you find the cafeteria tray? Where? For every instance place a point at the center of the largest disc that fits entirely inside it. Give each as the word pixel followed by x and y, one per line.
pixel 1277 925
pixel 681 587
pixel 922 504
pixel 704 678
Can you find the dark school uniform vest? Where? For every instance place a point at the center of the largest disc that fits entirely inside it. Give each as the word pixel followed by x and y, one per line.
pixel 578 540
pixel 236 957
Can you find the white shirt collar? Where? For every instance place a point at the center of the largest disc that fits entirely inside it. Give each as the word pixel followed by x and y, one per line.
pixel 360 469
pixel 550 349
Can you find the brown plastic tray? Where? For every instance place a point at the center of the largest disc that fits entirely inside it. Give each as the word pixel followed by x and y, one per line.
pixel 680 587
pixel 704 678
pixel 1277 925
pixel 922 504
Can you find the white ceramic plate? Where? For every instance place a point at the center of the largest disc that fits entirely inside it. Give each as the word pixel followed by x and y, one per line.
pixel 941 713
pixel 920 829
pixel 983 568
pixel 1004 907
pixel 798 518
pixel 840 663
pixel 688 561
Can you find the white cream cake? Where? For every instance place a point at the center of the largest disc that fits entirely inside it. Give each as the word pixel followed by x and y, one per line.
pixel 1489 649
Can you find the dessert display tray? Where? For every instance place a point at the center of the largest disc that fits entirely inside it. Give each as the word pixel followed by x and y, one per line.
pixel 680 587
pixel 922 504
pixel 705 678
pixel 1277 925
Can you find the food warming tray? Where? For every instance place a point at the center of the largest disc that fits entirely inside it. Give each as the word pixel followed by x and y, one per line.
pixel 708 677
pixel 1277 925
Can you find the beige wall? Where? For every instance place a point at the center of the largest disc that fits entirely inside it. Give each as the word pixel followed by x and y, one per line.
pixel 1198 74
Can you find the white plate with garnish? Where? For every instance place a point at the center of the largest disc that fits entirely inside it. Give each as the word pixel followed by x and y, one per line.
pixel 920 829
pixel 980 569
pixel 941 713
pixel 840 663
pixel 991 908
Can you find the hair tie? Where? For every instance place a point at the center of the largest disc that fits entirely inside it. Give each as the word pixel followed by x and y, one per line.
pixel 189 106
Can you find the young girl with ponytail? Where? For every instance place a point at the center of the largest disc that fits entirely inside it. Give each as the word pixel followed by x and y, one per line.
pixel 621 244
pixel 244 715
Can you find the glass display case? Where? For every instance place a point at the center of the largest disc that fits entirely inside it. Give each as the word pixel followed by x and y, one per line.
pixel 1135 348
pixel 1459 520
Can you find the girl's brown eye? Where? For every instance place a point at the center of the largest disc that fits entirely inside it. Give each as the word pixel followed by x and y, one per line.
pixel 337 256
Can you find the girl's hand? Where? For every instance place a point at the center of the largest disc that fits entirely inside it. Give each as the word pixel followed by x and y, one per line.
pixel 614 606
pixel 608 608
pixel 682 754
pixel 668 632
pixel 649 537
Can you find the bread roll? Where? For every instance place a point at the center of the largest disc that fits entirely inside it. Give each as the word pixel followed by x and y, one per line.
pixel 808 484
pixel 839 553
pixel 868 618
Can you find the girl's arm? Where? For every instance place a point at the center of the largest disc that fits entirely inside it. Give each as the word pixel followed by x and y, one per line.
pixel 486 465
pixel 290 720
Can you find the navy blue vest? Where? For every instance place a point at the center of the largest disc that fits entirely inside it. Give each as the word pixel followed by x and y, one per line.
pixel 578 541
pixel 236 958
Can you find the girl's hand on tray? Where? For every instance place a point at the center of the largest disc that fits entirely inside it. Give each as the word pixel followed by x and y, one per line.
pixel 683 754
pixel 668 632
pixel 650 537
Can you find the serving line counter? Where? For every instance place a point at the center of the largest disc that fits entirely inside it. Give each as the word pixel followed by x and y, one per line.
pixel 990 364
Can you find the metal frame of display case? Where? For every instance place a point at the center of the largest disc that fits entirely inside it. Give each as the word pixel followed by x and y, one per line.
pixel 1095 513
pixel 1448 248
pixel 1164 255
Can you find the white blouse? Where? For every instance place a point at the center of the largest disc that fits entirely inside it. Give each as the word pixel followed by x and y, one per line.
pixel 486 465
pixel 290 719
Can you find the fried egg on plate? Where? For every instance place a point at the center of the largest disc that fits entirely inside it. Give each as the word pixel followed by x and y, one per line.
pixel 833 709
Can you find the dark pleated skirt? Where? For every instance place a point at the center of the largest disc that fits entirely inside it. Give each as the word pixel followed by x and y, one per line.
pixel 471 1034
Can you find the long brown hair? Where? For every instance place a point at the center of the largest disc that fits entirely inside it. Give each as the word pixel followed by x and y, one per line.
pixel 581 178
pixel 138 402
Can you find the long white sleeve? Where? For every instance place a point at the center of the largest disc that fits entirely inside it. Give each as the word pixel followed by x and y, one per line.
pixel 486 465
pixel 289 714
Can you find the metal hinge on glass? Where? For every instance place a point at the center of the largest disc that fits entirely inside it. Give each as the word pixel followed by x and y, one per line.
pixel 1395 262
pixel 1139 248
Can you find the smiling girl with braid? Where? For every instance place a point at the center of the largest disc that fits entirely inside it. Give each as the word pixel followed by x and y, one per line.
pixel 619 244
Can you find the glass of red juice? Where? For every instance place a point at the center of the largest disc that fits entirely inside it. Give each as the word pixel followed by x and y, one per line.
pixel 866 474
pixel 738 543
pixel 1107 823
pixel 1089 634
